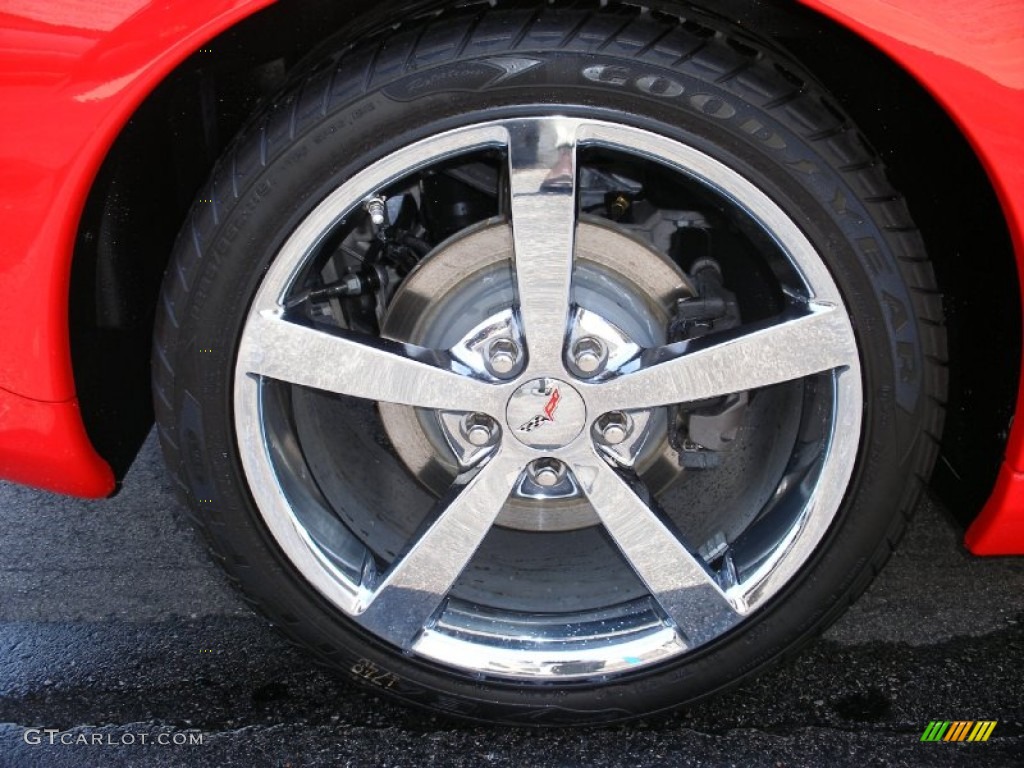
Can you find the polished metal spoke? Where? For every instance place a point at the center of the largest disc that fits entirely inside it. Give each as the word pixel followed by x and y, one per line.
pixel 359 365
pixel 806 341
pixel 417 585
pixel 542 181
pixel 676 578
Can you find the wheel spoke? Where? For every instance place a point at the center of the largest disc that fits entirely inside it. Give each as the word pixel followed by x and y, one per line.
pixel 417 585
pixel 677 579
pixel 359 365
pixel 542 174
pixel 808 341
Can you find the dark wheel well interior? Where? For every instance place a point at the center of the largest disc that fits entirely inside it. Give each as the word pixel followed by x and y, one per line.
pixel 168 148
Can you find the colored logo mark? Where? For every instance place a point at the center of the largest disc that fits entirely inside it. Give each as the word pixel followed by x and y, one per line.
pixel 959 730
pixel 552 404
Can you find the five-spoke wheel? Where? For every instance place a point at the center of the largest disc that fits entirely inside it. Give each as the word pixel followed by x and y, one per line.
pixel 542 401
pixel 550 365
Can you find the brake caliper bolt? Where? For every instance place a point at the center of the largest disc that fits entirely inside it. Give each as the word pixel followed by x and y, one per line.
pixel 546 472
pixel 502 356
pixel 375 207
pixel 619 206
pixel 589 355
pixel 479 429
pixel 614 427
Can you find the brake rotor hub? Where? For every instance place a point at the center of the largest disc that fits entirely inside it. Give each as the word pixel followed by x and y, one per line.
pixel 460 297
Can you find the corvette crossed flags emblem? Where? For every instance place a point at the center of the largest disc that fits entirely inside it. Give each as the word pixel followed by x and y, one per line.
pixel 542 418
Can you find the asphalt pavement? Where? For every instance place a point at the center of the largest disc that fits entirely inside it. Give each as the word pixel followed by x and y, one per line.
pixel 122 645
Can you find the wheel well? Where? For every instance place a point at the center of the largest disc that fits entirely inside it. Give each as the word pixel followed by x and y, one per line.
pixel 954 205
pixel 141 196
pixel 165 152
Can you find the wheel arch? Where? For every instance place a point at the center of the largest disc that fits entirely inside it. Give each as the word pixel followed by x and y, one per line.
pixel 144 185
pixel 168 147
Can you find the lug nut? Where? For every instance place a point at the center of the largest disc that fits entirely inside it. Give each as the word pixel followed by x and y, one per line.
pixel 589 355
pixel 614 427
pixel 502 356
pixel 478 435
pixel 546 472
pixel 479 429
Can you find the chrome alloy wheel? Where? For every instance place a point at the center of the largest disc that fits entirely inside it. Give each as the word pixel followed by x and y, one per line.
pixel 589 387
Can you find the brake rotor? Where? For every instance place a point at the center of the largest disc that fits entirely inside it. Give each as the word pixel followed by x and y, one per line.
pixel 468 280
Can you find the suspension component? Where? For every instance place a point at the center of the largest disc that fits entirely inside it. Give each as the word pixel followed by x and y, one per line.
pixel 370 278
pixel 713 308
pixel 377 210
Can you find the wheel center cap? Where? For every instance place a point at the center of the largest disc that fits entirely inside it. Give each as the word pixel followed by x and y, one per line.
pixel 546 413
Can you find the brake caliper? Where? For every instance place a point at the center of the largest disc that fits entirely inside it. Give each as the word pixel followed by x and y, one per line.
pixel 700 430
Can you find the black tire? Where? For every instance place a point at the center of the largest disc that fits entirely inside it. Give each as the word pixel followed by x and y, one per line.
pixel 727 95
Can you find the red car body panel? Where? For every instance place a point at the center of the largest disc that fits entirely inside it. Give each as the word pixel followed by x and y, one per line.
pixel 970 56
pixel 72 72
pixel 45 445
